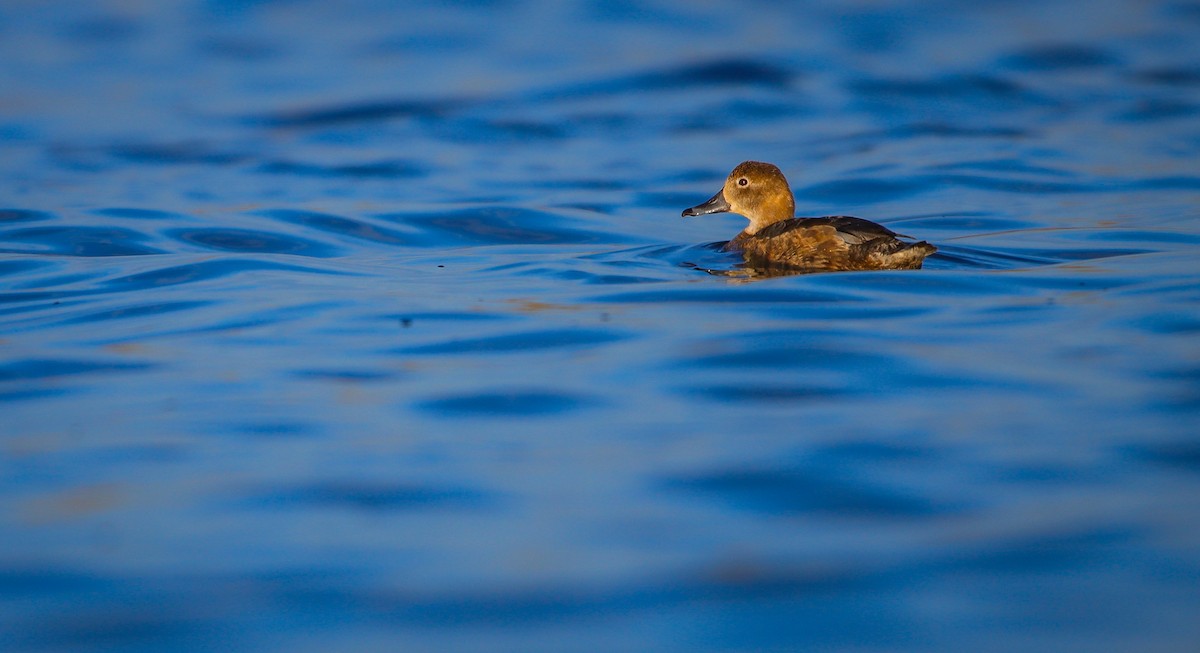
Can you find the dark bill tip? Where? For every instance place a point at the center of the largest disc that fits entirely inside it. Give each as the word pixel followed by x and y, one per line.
pixel 715 205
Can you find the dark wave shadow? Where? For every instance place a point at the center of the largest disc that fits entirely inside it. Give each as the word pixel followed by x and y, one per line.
pixel 736 72
pixel 9 216
pixel 169 275
pixel 912 130
pixel 767 393
pixel 165 615
pixel 406 320
pixel 498 225
pixel 41 369
pixel 21 267
pixel 345 375
pixel 726 295
pixel 786 350
pixel 179 153
pixel 1158 109
pixel 139 214
pixel 250 241
pixel 358 112
pixel 343 226
pixel 1170 76
pixel 245 50
pixel 1182 455
pixel 373 496
pixel 976 222
pixel 990 259
pixel 134 311
pixel 806 490
pixel 868 190
pixel 504 403
pixel 519 342
pixel 271 429
pixel 389 169
pixel 978 91
pixel 506 130
pixel 1063 255
pixel 1007 166
pixel 1059 57
pixel 202 271
pixel 79 241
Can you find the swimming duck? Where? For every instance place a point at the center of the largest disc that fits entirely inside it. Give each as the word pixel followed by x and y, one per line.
pixel 777 240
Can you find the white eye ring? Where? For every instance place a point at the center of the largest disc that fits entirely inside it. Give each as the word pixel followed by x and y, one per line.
pixel 743 181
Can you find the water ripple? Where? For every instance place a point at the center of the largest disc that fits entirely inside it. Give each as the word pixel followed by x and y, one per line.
pixel 718 73
pixel 982 92
pixel 38 369
pixel 1171 76
pixel 185 153
pixel 1055 57
pixel 138 214
pixel 507 131
pixel 21 267
pixel 975 223
pixel 798 490
pixel 79 241
pixel 786 350
pixel 773 393
pixel 717 296
pixel 346 375
pixel 498 225
pixel 201 271
pixel 23 215
pixel 861 191
pixel 343 226
pixel 381 324
pixel 1158 109
pixel 380 496
pixel 519 342
pixel 1178 455
pixel 1022 186
pixel 358 112
pixel 250 241
pixel 509 402
pixel 134 311
pixel 388 169
pixel 724 72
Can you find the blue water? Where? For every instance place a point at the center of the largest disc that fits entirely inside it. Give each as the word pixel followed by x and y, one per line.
pixel 374 327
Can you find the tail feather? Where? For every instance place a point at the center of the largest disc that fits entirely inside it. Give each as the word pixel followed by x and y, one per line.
pixel 910 255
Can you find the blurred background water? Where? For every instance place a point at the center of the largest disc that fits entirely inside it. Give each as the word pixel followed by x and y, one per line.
pixel 373 326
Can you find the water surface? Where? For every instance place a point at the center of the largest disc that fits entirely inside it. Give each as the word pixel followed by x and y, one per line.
pixel 375 328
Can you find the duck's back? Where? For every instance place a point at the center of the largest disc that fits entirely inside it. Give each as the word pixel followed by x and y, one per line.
pixel 831 243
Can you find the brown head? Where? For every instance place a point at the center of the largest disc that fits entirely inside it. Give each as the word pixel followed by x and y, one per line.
pixel 755 190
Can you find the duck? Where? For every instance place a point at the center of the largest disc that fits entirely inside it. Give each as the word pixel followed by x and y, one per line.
pixel 777 240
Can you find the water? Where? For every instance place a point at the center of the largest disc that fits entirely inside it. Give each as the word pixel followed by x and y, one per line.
pixel 347 326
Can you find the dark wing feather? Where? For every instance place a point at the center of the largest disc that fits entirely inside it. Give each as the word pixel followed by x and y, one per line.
pixel 852 230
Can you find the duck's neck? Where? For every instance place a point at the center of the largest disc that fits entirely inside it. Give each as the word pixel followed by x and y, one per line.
pixel 770 211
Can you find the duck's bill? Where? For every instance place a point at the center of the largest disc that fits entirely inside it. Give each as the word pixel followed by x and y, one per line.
pixel 715 205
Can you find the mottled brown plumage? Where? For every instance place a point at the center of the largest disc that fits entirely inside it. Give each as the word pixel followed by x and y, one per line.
pixel 775 240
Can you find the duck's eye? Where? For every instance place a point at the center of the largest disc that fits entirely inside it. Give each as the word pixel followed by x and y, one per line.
pixel 743 181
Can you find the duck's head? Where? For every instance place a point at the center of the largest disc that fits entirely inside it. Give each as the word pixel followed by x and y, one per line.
pixel 755 190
